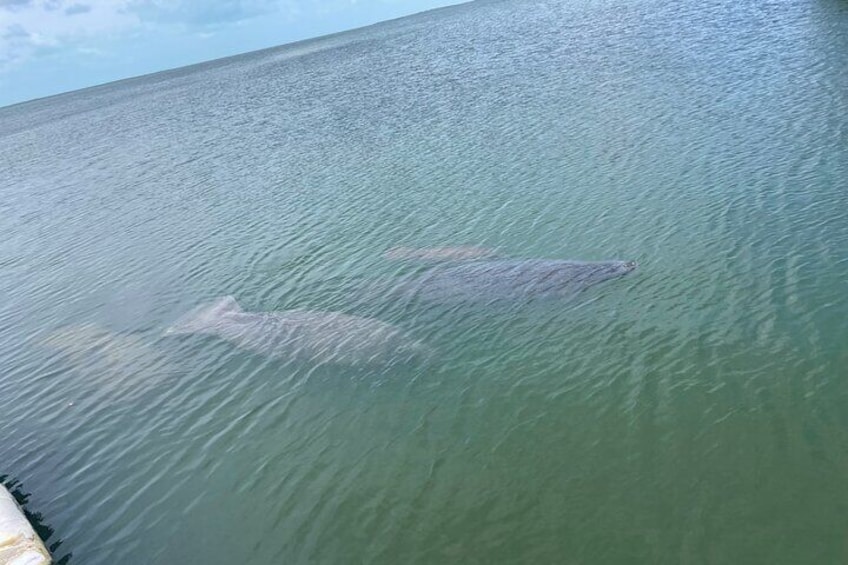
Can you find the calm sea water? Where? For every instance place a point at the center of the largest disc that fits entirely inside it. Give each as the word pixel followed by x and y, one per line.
pixel 695 411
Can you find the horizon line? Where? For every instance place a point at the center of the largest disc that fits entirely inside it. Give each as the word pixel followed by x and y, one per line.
pixel 315 38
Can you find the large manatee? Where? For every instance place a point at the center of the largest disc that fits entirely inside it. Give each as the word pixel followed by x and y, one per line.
pixel 484 281
pixel 306 335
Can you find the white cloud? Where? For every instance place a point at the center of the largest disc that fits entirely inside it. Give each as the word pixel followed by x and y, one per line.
pixel 91 51
pixel 196 13
pixel 31 27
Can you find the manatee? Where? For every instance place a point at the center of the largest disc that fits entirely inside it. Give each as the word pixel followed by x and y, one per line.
pixel 460 253
pixel 113 363
pixel 485 281
pixel 303 335
pixel 86 341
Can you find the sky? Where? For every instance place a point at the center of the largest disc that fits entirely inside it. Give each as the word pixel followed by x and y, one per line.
pixel 53 46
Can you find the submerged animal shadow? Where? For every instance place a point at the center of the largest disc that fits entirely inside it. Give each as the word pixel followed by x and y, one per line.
pixel 304 335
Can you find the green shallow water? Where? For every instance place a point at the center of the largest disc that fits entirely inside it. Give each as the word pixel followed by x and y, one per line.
pixel 691 412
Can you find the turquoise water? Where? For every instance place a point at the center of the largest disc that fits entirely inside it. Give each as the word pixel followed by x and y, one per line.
pixel 693 411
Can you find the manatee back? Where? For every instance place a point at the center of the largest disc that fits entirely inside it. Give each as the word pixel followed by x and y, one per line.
pixel 205 318
pixel 327 337
pixel 509 279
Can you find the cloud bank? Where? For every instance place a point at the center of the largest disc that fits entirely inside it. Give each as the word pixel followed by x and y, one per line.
pixel 30 28
pixel 51 46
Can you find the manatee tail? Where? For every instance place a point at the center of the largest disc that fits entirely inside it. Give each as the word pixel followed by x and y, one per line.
pixel 204 318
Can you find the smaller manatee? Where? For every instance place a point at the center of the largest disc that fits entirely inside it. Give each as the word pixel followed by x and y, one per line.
pixel 305 335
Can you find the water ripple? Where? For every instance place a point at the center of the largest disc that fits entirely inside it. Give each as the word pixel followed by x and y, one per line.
pixel 693 408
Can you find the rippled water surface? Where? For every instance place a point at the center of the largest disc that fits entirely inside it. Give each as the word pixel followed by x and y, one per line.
pixel 693 411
